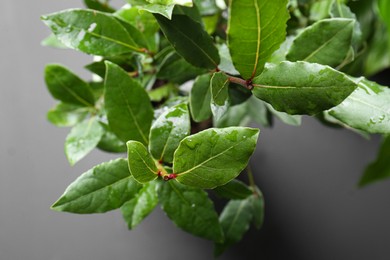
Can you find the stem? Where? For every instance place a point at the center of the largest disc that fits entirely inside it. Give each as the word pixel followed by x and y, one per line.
pixel 250 177
pixel 242 82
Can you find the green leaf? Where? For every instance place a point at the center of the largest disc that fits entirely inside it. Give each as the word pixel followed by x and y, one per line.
pixel 163 92
pixel 234 189
pixel 256 29
pixel 190 209
pixel 321 9
pixel 257 202
pixel 167 132
pixel 129 111
pixel 326 42
pixel 99 6
pixel 226 63
pixel 235 221
pixel 220 102
pixel 259 112
pixel 165 10
pixel 190 40
pixel 238 115
pixel 91 31
pixel 141 164
pixel 214 156
pixel 103 188
pixel 139 207
pixel 52 41
pixel 65 86
pixel 367 108
pixel 207 7
pixel 82 139
pixel 384 11
pixel 302 88
pixel 379 169
pixel 66 115
pixel 200 98
pixel 294 120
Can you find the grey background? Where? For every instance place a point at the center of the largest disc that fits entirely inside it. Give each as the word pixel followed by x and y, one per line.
pixel 308 175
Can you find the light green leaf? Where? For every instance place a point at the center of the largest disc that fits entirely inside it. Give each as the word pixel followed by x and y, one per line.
pixel 103 188
pixel 214 156
pixel 139 207
pixel 220 102
pixel 320 9
pixel 129 111
pixel 378 170
pixel 190 209
pixel 190 40
pixel 82 139
pixel 67 87
pixel 325 42
pixel 167 132
pixel 52 41
pixel 226 63
pixel 141 164
pixel 302 88
pixel 234 189
pixel 91 31
pixel 384 11
pixel 66 115
pixel 165 10
pixel 256 29
pixel 200 98
pixel 367 108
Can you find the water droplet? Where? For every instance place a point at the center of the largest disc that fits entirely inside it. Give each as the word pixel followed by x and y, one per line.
pixel 192 205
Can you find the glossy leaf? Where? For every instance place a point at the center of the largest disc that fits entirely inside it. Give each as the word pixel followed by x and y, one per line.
pixel 379 169
pixel 214 156
pixel 384 11
pixel 91 31
pixel 65 86
pixel 235 220
pixel 367 108
pixel 66 115
pixel 82 139
pixel 167 132
pixel 200 98
pixel 103 188
pixel 219 87
pixel 110 142
pixel 52 41
pixel 190 40
pixel 295 120
pixel 141 164
pixel 165 10
pixel 234 189
pixel 302 88
pixel 326 42
pixel 128 106
pixel 237 115
pixel 256 29
pixel 190 209
pixel 99 6
pixel 139 207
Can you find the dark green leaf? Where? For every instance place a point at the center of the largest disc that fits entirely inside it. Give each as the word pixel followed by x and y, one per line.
pixel 257 202
pixel 378 170
pixel 220 102
pixel 237 115
pixel 65 86
pixel 367 108
pixel 259 112
pixel 190 40
pixel 200 98
pixel 139 207
pixel 91 31
pixel 82 139
pixel 110 142
pixel 141 164
pixel 302 88
pixel 256 29
pixel 103 188
pixel 214 156
pixel 295 120
pixel 326 42
pixel 65 115
pixel 167 132
pixel 234 189
pixel 190 209
pixel 128 107
pixel 99 6
pixel 238 94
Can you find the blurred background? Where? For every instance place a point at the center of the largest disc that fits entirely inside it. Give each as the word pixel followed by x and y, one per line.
pixel 308 175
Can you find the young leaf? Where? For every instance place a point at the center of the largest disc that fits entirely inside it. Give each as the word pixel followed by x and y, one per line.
pixel 139 207
pixel 256 28
pixel 200 98
pixel 219 94
pixel 91 31
pixel 141 164
pixel 167 132
pixel 190 209
pixel 66 115
pixel 367 108
pixel 379 169
pixel 103 188
pixel 190 40
pixel 302 88
pixel 129 111
pixel 65 86
pixel 82 139
pixel 235 221
pixel 325 42
pixel 214 156
pixel 234 189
